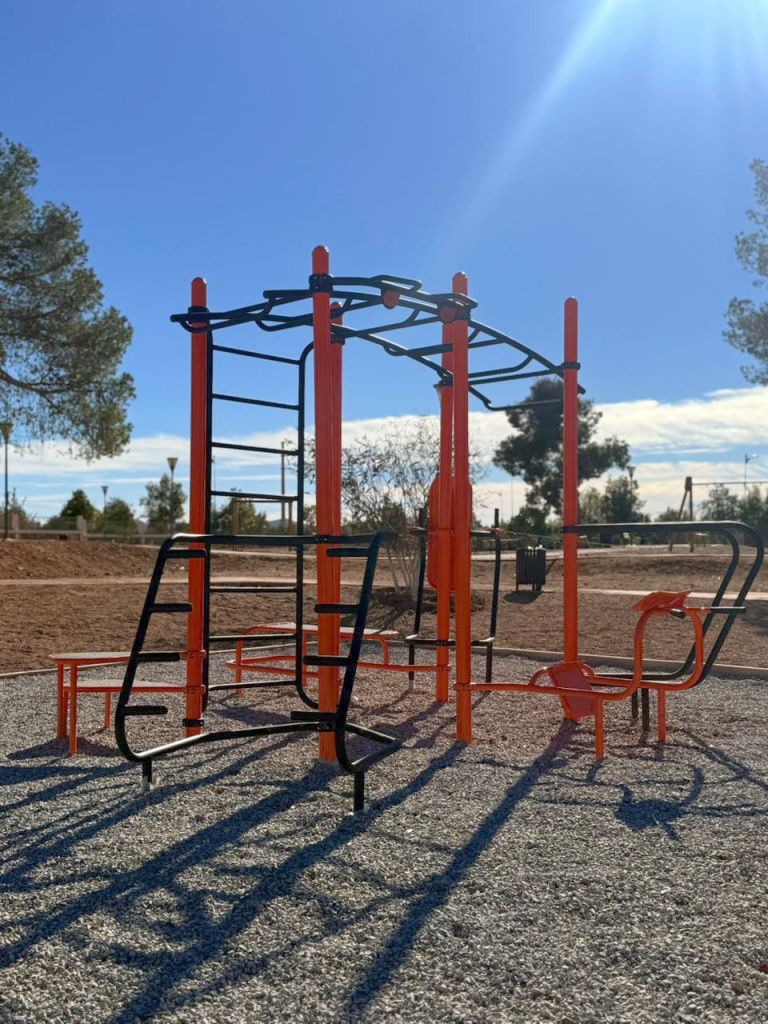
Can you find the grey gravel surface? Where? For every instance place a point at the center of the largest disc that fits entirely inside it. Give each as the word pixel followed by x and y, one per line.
pixel 509 881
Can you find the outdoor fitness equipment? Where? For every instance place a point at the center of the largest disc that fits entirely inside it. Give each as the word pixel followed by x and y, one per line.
pixel 335 307
pixel 581 691
pixel 333 724
pixel 428 535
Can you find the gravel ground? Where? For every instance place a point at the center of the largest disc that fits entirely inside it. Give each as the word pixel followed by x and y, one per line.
pixel 509 881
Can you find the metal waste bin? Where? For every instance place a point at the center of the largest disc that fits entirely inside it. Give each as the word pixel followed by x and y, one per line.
pixel 530 567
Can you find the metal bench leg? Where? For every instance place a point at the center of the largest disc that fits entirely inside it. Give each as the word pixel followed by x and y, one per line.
pixel 662 715
pixel 107 709
pixel 599 731
pixel 646 702
pixel 61 704
pixel 358 800
pixel 73 709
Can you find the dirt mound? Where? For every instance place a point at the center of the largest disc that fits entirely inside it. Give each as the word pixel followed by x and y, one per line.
pixel 53 559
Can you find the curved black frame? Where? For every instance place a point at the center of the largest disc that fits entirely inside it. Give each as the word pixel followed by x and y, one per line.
pixel 727 612
pixel 389 291
pixel 354 546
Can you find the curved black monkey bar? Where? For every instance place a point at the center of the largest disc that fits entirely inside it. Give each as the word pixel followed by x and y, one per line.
pixel 360 293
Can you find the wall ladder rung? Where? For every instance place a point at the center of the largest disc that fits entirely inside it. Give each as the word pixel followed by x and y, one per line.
pixel 255 401
pixel 337 609
pixel 255 448
pixel 171 609
pixel 271 498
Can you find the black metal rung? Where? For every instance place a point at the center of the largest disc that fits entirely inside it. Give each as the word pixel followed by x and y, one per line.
pixel 250 496
pixel 255 355
pixel 254 448
pixel 260 589
pixel 256 401
pixel 326 660
pixel 171 609
pixel 313 716
pixel 347 552
pixel 139 710
pixel 158 656
pixel 427 350
pixel 193 723
pixel 337 609
pixel 260 684
pixel 184 553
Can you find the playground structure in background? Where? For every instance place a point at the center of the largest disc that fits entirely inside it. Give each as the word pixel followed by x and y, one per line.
pixel 335 304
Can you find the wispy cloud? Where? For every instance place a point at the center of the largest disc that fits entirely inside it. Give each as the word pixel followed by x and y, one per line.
pixel 717 428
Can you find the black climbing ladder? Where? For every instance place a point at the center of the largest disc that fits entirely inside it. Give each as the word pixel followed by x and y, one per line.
pixel 296 406
pixel 182 546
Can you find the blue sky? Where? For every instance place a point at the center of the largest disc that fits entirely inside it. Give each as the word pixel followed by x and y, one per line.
pixel 598 148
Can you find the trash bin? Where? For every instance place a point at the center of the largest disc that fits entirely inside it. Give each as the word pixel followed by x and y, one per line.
pixel 530 567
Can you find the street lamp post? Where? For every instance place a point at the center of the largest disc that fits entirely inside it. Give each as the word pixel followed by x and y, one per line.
pixel 747 460
pixel 172 460
pixel 5 428
pixel 104 488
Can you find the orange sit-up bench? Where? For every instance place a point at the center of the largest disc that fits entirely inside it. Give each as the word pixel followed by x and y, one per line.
pixel 583 693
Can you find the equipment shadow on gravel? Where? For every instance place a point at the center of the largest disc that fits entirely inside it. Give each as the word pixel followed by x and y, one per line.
pixel 127 891
pixel 433 893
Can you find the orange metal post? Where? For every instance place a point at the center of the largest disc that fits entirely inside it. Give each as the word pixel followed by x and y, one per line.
pixel 327 497
pixel 443 654
pixel 571 483
pixel 462 520
pixel 198 476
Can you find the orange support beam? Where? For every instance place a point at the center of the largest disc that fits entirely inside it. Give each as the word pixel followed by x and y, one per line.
pixel 462 521
pixel 571 483
pixel 328 496
pixel 444 538
pixel 198 511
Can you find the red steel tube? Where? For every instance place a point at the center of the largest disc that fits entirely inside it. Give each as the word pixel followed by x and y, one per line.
pixel 571 483
pixel 327 497
pixel 198 498
pixel 462 521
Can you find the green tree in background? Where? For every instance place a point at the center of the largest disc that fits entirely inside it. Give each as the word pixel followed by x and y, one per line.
pixel 17 506
pixel 117 517
pixel 534 450
pixel 621 501
pixel 669 515
pixel 249 519
pixel 747 321
pixel 720 504
pixel 78 505
pixel 163 504
pixel 60 348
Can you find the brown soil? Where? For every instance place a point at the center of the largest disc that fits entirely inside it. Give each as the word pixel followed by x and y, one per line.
pixel 40 620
